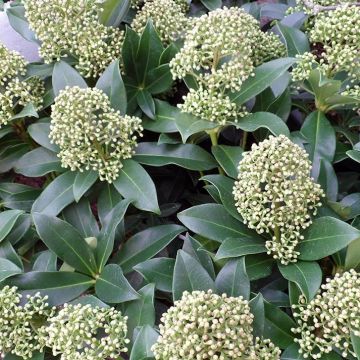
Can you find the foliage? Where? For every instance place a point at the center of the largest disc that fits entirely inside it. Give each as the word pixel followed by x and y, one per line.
pixel 181 173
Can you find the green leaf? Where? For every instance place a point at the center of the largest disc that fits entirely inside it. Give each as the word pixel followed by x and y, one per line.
pixel 64 75
pixel 354 154
pixel 322 140
pixel 36 356
pixel 189 275
pixel 60 287
pixel 145 244
pixel 188 156
pixel 213 221
pixel 228 157
pixel 258 310
pixel 38 162
pixel 355 341
pixel 113 86
pixel 8 269
pixel 141 312
pixel 224 186
pixel 233 247
pixel 326 236
pixel 292 353
pixel 39 132
pixel 83 182
pixel 295 40
pixel 259 266
pixel 188 124
pixel 278 326
pixel 17 20
pixel 106 237
pixel 81 217
pixel 46 261
pixel 265 120
pixel 233 279
pixel 145 339
pixel 109 197
pixel 112 287
pixel 306 275
pixel 265 75
pixel 10 155
pixel 18 196
pixel 114 11
pixel 56 196
pixel 7 221
pixel 66 242
pixel 211 4
pixel 146 103
pixel 158 271
pixel 8 252
pixel 159 80
pixel 28 111
pixel 134 183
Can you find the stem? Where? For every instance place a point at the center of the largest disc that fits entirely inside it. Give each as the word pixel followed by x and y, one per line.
pixel 214 141
pixel 244 140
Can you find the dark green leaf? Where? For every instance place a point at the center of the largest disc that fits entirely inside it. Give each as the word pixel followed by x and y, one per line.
pixel 235 247
pixel 211 4
pixel 108 199
pixel 326 236
pixel 188 156
pixel 8 269
pixel 145 339
pixel 146 103
pixel 164 121
pixel 10 155
pixel 295 40
pixel 64 75
pixel 113 86
pixel 17 20
pixel 258 310
pixel 114 11
pixel 28 111
pixel 233 279
pixel 213 221
pixel 158 271
pixel 228 157
pixel 159 80
pixel 66 242
pixel 134 183
pixel 112 287
pixel 60 287
pixel 56 196
pixel 145 244
pixel 7 221
pixel 189 275
pixel 40 133
pixel 46 261
pixel 83 182
pixel 355 341
pixel 306 275
pixel 259 266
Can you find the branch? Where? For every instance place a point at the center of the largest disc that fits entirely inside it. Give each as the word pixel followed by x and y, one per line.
pixel 318 8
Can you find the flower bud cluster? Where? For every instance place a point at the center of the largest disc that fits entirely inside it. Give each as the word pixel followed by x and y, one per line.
pixel 15 91
pixel 167 16
pixel 203 325
pixel 72 27
pixel 328 320
pixel 337 33
pixel 220 51
pixel 276 195
pixel 91 134
pixel 84 332
pixel 18 323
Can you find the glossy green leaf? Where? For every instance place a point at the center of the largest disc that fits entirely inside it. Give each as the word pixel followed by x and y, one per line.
pixel 306 275
pixel 60 287
pixel 228 157
pixel 28 111
pixel 38 162
pixel 112 287
pixel 322 140
pixel 295 40
pixel 292 353
pixel 189 275
pixel 145 244
pixel 235 247
pixel 354 154
pixel 326 236
pixel 114 11
pixel 258 310
pixel 83 182
pixel 65 75
pixel 108 199
pixel 265 75
pixel 113 86
pixel 259 266
pixel 8 269
pixel 18 22
pixel 158 271
pixel 56 196
pixel 143 343
pixel 159 80
pixel 188 156
pixel 8 252
pixel 134 183
pixel 265 120
pixel 7 221
pixel 212 4
pixel 66 242
pixel 46 261
pixel 141 312
pixel 39 132
pixel 106 237
pixel 146 103
pixel 233 279
pixel 355 341
pixel 213 221
pixel 10 155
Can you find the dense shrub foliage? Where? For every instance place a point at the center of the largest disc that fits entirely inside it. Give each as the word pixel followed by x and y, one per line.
pixel 181 181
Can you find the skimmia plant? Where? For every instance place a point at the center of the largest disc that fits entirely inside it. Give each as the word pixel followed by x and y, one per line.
pixel 180 180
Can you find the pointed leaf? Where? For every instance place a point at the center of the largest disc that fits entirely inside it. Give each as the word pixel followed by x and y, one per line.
pixel 83 182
